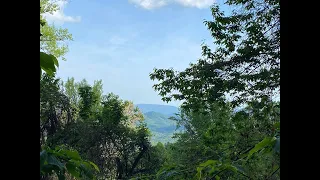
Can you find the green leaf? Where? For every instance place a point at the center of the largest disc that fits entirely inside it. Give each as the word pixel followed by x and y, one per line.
pixel 47 63
pixel 57 154
pixel 209 162
pixel 52 160
pixel 95 166
pixel 55 61
pixel 86 165
pixel 86 169
pixel 217 177
pixel 199 169
pixel 213 169
pixel 232 168
pixel 268 141
pixel 72 154
pixel 72 169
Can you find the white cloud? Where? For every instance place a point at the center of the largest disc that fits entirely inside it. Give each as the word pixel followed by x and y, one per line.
pixel 152 4
pixel 58 17
pixel 196 3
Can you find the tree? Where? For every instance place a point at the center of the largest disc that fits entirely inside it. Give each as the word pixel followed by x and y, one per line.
pixel 111 136
pixel 72 89
pixel 245 65
pixel 53 39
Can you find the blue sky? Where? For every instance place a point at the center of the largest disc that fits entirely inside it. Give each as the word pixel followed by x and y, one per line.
pixel 121 41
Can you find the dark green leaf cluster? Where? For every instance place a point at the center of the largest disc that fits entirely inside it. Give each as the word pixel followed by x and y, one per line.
pixel 61 160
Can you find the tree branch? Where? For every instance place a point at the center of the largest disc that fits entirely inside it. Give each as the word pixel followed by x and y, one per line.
pixel 136 161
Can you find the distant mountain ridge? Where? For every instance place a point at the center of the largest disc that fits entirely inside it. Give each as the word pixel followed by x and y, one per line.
pixel 157 120
pixel 163 109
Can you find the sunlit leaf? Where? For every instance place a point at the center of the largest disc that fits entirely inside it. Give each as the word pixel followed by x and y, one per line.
pixel 47 63
pixel 95 166
pixel 268 141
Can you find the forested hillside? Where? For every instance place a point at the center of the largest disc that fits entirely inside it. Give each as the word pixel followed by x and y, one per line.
pixel 161 127
pixel 86 133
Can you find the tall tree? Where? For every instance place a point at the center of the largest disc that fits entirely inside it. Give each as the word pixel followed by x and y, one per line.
pixel 245 65
pixel 72 89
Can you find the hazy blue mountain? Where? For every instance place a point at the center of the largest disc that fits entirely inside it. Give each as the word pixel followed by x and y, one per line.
pixel 163 109
pixel 157 119
pixel 161 127
pixel 159 122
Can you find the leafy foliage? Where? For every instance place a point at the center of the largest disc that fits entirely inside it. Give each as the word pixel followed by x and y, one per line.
pixel 55 114
pixel 245 65
pixel 225 144
pixel 219 142
pixel 109 137
pixel 53 40
pixel 61 160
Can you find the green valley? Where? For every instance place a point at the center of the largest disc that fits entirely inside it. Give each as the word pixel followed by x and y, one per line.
pixel 157 119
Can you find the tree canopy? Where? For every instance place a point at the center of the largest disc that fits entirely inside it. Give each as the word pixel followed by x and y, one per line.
pixel 243 70
pixel 245 64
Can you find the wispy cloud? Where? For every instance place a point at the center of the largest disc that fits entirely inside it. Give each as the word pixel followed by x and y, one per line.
pixel 152 4
pixel 58 17
pixel 149 4
pixel 196 3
